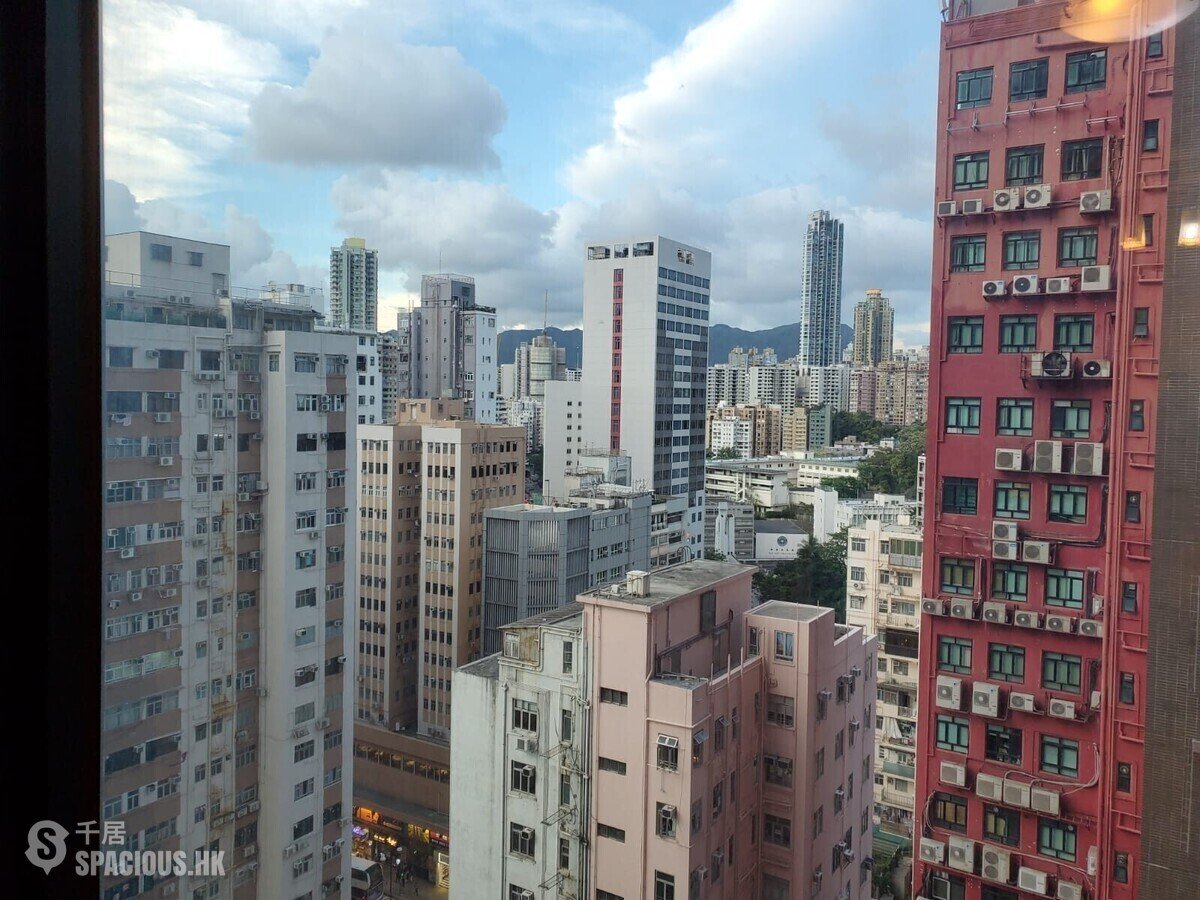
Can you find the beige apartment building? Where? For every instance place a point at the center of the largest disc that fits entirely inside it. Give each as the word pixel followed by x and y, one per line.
pixel 763 423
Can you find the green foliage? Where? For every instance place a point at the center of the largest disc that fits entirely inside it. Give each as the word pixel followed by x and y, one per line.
pixel 533 465
pixel 727 453
pixel 881 873
pixel 817 576
pixel 715 555
pixel 862 425
pixel 845 486
pixel 895 471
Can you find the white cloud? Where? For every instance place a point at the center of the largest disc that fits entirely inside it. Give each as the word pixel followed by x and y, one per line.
pixel 367 99
pixel 176 90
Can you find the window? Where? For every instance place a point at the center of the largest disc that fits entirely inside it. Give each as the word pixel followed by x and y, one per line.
pixel 1022 249
pixel 960 495
pixel 613 765
pixel 718 798
pixel 1141 321
pixel 1133 507
pixel 781 710
pixel 1060 756
pixel 1073 332
pixel 953 733
pixel 1154 46
pixel 668 752
pixel 1071 418
pixel 520 840
pixel 301 828
pixel 1150 135
pixel 1011 500
pixel 962 415
pixel 1121 868
pixel 1068 503
pixel 965 334
pixel 1014 416
pixel 1086 72
pixel 1018 334
pixel 970 171
pixel 1010 581
pixel 524 715
pixel 568 657
pixel 858 573
pixel 784 645
pixel 949 812
pixel 1006 662
pixel 753 642
pixel 1056 839
pixel 778 770
pixel 1003 826
pixel 665 820
pixel 777 830
pixel 664 886
pixel 1128 690
pixel 160 252
pixel 1124 777
pixel 1082 159
pixel 1028 80
pixel 1003 744
pixel 610 695
pixel 1061 671
pixel 958 575
pixel 974 88
pixel 564 853
pixel 1137 415
pixel 968 253
pixel 1148 229
pixel 524 778
pixel 608 831
pixel 1129 597
pixel 954 654
pixel 1023 165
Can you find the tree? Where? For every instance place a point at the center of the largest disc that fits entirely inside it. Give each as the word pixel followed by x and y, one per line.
pixel 845 485
pixel 895 471
pixel 816 576
pixel 715 555
pixel 727 453
pixel 881 873
pixel 862 425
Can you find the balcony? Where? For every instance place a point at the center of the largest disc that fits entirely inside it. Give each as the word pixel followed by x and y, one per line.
pixel 904 561
pixel 899 770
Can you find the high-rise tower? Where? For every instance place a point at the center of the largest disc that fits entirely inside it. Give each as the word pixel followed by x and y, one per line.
pixel 821 292
pixel 354 285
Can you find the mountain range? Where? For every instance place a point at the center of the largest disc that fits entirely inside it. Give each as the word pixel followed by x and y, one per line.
pixel 783 339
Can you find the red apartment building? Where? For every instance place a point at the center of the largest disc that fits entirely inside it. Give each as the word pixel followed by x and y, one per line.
pixel 1050 248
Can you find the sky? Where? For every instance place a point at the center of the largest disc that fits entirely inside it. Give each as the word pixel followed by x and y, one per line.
pixel 496 138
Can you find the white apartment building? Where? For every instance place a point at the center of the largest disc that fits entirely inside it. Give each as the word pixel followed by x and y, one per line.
pixel 726 384
pixel 733 434
pixel 831 514
pixel 775 384
pixel 825 386
pixel 883 591
pixel 354 286
pixel 229 481
pixel 562 434
pixel 646 309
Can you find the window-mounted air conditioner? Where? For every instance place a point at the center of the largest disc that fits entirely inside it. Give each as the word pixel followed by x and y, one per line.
pixel 1006 199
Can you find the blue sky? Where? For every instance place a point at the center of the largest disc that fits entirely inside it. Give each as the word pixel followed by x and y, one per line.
pixel 504 134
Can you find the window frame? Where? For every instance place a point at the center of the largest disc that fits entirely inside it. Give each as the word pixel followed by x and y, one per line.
pixel 1029 159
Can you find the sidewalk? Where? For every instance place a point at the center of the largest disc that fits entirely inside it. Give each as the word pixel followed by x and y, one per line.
pixel 416 889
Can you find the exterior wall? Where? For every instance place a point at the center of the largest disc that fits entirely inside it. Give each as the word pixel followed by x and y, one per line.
pixel 354 286
pixel 370 377
pixel 872 330
pixel 726 384
pixel 773 384
pixel 1106 549
pixel 562 441
pixel 825 386
pixel 774 545
pixel 729 528
pixel 821 292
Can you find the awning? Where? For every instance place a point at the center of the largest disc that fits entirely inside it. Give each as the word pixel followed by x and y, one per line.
pixel 665 740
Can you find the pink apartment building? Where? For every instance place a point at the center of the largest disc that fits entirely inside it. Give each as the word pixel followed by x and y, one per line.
pixel 659 739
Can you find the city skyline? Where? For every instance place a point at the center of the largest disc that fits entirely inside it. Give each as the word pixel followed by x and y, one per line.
pixel 626 88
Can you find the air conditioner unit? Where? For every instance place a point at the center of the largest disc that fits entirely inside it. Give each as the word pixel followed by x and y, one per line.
pixel 1091 628
pixel 252 376
pixel 1047 456
pixel 1095 201
pixel 1059 285
pixel 341 659
pixel 933 607
pixel 152 354
pixel 260 486
pixel 1025 284
pixel 994 612
pixel 961 854
pixel 949 692
pixel 244 497
pixel 241 735
pixel 1003 530
pixel 1061 624
pixel 972 207
pixel 947 208
pixel 257 436
pixel 1037 552
pixel 1068 890
pixel 166 460
pixel 169 592
pixel 1088 459
pixel 202 581
pixel 1061 709
pixel 996 864
pixel 939 887
pixel 162 418
pixel 313 535
pixel 1005 550
pixel 1022 702
pixel 135 596
pixel 1044 801
pixel 126 553
pixel 1016 794
pixel 962 609
pixel 113 604
pixel 997 288
pixel 932 851
pixel 953 773
pixel 322 723
pixel 1096 368
pixel 989 787
pixel 985 699
pixel 300 732
pixel 1006 199
pixel 1036 196
pixel 254 415
pixel 1010 460
pixel 1051 364
pixel 1095 278
pixel 1032 880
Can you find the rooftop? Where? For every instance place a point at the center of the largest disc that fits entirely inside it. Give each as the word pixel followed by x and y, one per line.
pixel 556 616
pixel 671 582
pixel 777 526
pixel 795 612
